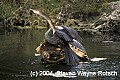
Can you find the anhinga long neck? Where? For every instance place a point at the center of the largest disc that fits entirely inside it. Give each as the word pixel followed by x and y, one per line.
pixel 46 17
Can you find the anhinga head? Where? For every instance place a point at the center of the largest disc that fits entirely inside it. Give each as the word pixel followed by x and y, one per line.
pixel 46 17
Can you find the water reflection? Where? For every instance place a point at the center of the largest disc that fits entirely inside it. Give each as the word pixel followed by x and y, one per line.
pixel 17 58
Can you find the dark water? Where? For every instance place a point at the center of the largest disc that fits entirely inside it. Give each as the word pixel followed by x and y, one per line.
pixel 17 58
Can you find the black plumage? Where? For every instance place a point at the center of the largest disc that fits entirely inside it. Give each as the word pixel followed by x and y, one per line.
pixel 68 36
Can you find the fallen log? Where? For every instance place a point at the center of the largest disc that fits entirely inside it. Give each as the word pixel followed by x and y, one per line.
pixel 50 53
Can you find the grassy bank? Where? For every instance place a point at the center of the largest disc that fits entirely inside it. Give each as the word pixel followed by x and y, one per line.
pixel 16 12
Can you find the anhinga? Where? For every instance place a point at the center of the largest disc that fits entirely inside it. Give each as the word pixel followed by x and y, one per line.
pixel 68 38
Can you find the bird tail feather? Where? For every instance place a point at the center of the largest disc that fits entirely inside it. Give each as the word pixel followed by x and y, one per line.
pixel 70 57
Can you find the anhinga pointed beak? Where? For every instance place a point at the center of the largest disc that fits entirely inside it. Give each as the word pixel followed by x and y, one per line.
pixel 46 17
pixel 35 11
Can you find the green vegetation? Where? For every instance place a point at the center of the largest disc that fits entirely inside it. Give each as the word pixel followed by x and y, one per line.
pixel 16 12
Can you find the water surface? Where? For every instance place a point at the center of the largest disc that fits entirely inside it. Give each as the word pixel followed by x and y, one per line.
pixel 17 58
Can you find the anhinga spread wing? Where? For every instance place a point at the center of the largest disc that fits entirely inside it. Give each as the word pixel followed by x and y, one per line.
pixel 71 32
pixel 68 36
